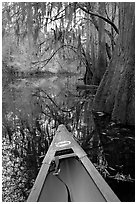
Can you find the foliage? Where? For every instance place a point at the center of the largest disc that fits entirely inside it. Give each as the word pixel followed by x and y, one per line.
pixel 45 29
pixel 15 175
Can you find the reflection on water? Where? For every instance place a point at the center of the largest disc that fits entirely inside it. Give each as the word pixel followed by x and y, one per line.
pixel 18 95
pixel 54 96
pixel 32 110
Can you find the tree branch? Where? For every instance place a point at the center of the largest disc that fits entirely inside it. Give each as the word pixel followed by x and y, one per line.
pixel 47 60
pixel 98 15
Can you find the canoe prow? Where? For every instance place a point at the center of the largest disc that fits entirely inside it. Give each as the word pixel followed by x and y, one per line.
pixel 67 174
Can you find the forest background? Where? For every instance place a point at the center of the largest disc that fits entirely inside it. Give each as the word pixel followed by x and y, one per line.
pixel 91 41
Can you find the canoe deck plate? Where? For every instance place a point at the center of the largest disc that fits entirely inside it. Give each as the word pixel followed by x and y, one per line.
pixel 63 143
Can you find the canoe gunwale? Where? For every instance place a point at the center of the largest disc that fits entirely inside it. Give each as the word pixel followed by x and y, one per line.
pixel 36 189
pixel 103 187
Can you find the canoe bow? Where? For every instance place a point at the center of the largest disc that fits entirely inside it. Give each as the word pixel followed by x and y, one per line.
pixel 79 174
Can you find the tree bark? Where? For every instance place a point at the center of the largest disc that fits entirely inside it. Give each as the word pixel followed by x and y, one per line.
pixel 116 93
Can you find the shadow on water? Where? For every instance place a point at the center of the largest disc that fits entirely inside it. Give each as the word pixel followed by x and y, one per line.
pixel 32 110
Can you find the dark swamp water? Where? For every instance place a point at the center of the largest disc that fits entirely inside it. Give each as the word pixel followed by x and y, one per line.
pixel 32 110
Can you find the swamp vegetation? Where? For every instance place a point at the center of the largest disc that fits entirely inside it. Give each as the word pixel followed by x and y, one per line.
pixel 68 63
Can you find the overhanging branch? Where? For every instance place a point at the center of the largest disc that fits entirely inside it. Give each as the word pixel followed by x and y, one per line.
pixel 102 17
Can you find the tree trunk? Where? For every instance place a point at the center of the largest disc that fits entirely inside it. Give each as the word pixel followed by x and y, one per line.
pixel 116 93
pixel 102 58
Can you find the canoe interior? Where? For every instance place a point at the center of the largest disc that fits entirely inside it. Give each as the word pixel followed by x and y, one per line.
pixel 81 186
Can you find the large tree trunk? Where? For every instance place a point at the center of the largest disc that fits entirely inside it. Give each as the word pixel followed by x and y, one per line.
pixel 116 93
